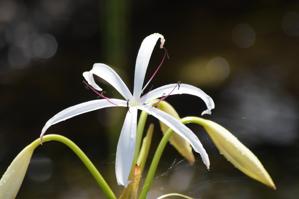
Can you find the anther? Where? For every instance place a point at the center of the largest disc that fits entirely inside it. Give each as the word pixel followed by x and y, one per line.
pixel 100 94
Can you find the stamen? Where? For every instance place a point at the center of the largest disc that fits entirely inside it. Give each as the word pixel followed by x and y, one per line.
pixel 100 94
pixel 157 69
pixel 178 85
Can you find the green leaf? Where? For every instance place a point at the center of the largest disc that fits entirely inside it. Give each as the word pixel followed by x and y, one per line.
pixel 180 144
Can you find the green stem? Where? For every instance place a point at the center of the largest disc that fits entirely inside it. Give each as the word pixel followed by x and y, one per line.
pixel 140 130
pixel 194 120
pixel 81 155
pixel 159 151
pixel 146 144
pixel 115 38
pixel 153 167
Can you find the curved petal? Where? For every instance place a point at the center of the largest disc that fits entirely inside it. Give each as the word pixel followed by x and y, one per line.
pixel 142 60
pixel 125 148
pixel 80 109
pixel 88 76
pixel 175 89
pixel 109 75
pixel 180 129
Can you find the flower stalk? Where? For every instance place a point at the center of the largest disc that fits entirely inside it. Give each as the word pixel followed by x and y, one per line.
pixel 13 177
pixel 83 157
pixel 154 164
pixel 140 130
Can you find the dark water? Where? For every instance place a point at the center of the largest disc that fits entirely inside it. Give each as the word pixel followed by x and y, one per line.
pixel 244 54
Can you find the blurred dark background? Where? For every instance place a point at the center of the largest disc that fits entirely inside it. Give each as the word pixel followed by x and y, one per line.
pixel 243 53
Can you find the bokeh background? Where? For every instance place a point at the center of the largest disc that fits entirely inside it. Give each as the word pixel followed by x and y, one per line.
pixel 243 53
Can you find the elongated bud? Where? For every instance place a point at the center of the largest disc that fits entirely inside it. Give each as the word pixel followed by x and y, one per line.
pixel 237 153
pixel 180 144
pixel 12 179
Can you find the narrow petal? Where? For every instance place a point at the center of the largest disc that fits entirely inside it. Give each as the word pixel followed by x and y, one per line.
pixel 125 148
pixel 109 75
pixel 143 58
pixel 88 76
pixel 180 129
pixel 12 179
pixel 82 108
pixel 178 89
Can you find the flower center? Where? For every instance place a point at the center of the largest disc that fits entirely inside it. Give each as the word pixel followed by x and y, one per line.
pixel 133 102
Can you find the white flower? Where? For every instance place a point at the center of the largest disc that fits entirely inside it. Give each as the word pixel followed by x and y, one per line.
pixel 126 142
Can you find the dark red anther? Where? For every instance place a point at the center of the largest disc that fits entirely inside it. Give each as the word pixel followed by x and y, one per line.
pixel 100 94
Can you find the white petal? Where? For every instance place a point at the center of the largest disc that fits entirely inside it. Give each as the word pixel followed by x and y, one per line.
pixel 88 76
pixel 109 75
pixel 142 60
pixel 82 108
pixel 125 148
pixel 175 89
pixel 180 129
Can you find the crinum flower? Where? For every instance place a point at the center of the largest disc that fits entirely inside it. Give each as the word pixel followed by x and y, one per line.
pixel 135 102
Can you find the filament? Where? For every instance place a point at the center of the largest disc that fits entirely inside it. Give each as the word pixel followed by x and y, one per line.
pixel 100 94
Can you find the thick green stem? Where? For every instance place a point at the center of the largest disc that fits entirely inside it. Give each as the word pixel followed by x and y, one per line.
pixel 140 130
pixel 81 155
pixel 146 144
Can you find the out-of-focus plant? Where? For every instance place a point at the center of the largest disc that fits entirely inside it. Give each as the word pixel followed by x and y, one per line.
pixel 133 148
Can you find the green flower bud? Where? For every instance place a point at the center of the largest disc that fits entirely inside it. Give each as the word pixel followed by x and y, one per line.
pixel 180 144
pixel 12 179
